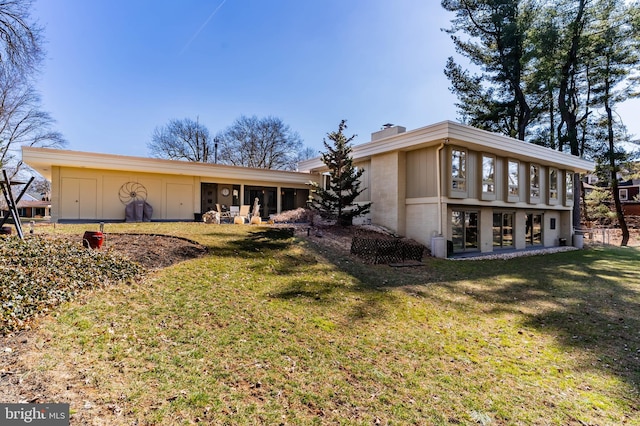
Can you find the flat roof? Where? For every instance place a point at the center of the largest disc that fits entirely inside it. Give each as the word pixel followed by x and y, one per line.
pixel 453 133
pixel 44 159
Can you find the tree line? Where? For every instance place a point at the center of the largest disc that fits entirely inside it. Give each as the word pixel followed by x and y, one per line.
pixel 551 72
pixel 265 143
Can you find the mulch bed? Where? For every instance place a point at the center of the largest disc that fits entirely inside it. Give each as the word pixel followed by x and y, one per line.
pixel 152 251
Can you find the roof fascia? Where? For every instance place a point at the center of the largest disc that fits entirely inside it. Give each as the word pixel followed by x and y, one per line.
pixel 464 136
pixel 42 159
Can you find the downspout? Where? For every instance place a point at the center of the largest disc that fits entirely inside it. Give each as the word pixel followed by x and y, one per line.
pixel 439 184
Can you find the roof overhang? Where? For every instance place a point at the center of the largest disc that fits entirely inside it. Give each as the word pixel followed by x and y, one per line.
pixel 44 159
pixel 452 133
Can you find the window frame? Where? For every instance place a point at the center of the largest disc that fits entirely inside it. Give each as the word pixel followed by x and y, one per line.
pixel 569 187
pixel 553 186
pixel 488 180
pixel 513 189
pixel 458 184
pixel 534 191
pixel 626 194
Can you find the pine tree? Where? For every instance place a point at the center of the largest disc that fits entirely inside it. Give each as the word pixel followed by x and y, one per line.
pixel 337 201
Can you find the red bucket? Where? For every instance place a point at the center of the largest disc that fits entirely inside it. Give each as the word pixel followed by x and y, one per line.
pixel 92 239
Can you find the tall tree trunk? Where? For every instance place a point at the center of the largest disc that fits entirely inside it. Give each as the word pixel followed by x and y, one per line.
pixel 566 99
pixel 614 179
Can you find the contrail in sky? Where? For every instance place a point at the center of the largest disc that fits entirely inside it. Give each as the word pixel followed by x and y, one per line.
pixel 202 27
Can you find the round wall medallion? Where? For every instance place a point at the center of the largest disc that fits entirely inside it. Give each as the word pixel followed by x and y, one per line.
pixel 132 191
pixel 225 192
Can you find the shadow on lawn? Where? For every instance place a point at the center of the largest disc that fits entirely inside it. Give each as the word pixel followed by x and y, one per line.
pixel 588 300
pixel 268 248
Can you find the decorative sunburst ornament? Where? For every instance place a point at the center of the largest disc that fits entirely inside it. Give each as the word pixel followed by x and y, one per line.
pixel 132 191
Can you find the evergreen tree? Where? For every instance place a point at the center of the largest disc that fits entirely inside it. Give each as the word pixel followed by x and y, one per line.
pixel 496 99
pixel 337 201
pixel 616 45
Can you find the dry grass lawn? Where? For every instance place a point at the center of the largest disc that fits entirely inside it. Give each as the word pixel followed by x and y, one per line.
pixel 266 328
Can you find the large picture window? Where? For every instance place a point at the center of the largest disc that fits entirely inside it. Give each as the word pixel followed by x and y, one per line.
pixel 458 170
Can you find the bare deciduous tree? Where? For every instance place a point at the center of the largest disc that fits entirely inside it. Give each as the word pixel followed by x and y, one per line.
pixel 265 143
pixel 20 36
pixel 182 140
pixel 22 122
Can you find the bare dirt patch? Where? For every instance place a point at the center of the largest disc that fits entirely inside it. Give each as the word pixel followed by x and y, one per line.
pixel 150 250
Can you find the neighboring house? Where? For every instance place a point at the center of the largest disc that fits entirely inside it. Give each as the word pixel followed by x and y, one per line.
pixel 31 207
pixel 28 206
pixel 629 190
pixel 96 187
pixel 630 196
pixel 445 182
pixel 480 191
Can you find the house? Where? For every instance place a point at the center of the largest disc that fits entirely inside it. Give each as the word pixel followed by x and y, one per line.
pixel 479 191
pixel 28 206
pixel 629 191
pixel 446 185
pixel 31 207
pixel 97 187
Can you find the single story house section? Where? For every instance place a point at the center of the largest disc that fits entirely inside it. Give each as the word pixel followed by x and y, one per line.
pixel 97 187
pixel 459 189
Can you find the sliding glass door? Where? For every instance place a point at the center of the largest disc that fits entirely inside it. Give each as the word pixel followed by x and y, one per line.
pixel 464 230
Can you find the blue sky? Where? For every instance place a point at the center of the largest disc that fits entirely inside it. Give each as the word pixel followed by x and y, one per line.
pixel 117 69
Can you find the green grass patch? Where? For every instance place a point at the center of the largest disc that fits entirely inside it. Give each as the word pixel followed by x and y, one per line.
pixel 269 329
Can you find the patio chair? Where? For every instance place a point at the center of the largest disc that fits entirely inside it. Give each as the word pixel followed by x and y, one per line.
pixel 244 211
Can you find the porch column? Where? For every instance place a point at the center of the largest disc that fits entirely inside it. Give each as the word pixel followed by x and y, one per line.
pixel 279 200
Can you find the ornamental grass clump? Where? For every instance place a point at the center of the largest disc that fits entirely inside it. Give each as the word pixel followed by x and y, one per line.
pixel 37 274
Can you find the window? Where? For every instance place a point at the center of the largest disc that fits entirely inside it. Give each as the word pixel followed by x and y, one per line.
pixel 464 230
pixel 624 194
pixel 326 181
pixel 534 183
pixel 534 229
pixel 568 185
pixel 458 170
pixel 553 185
pixel 488 174
pixel 513 177
pixel 568 188
pixel 502 230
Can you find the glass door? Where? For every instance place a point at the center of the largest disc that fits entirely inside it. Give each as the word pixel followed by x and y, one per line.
pixel 503 230
pixel 534 229
pixel 464 230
